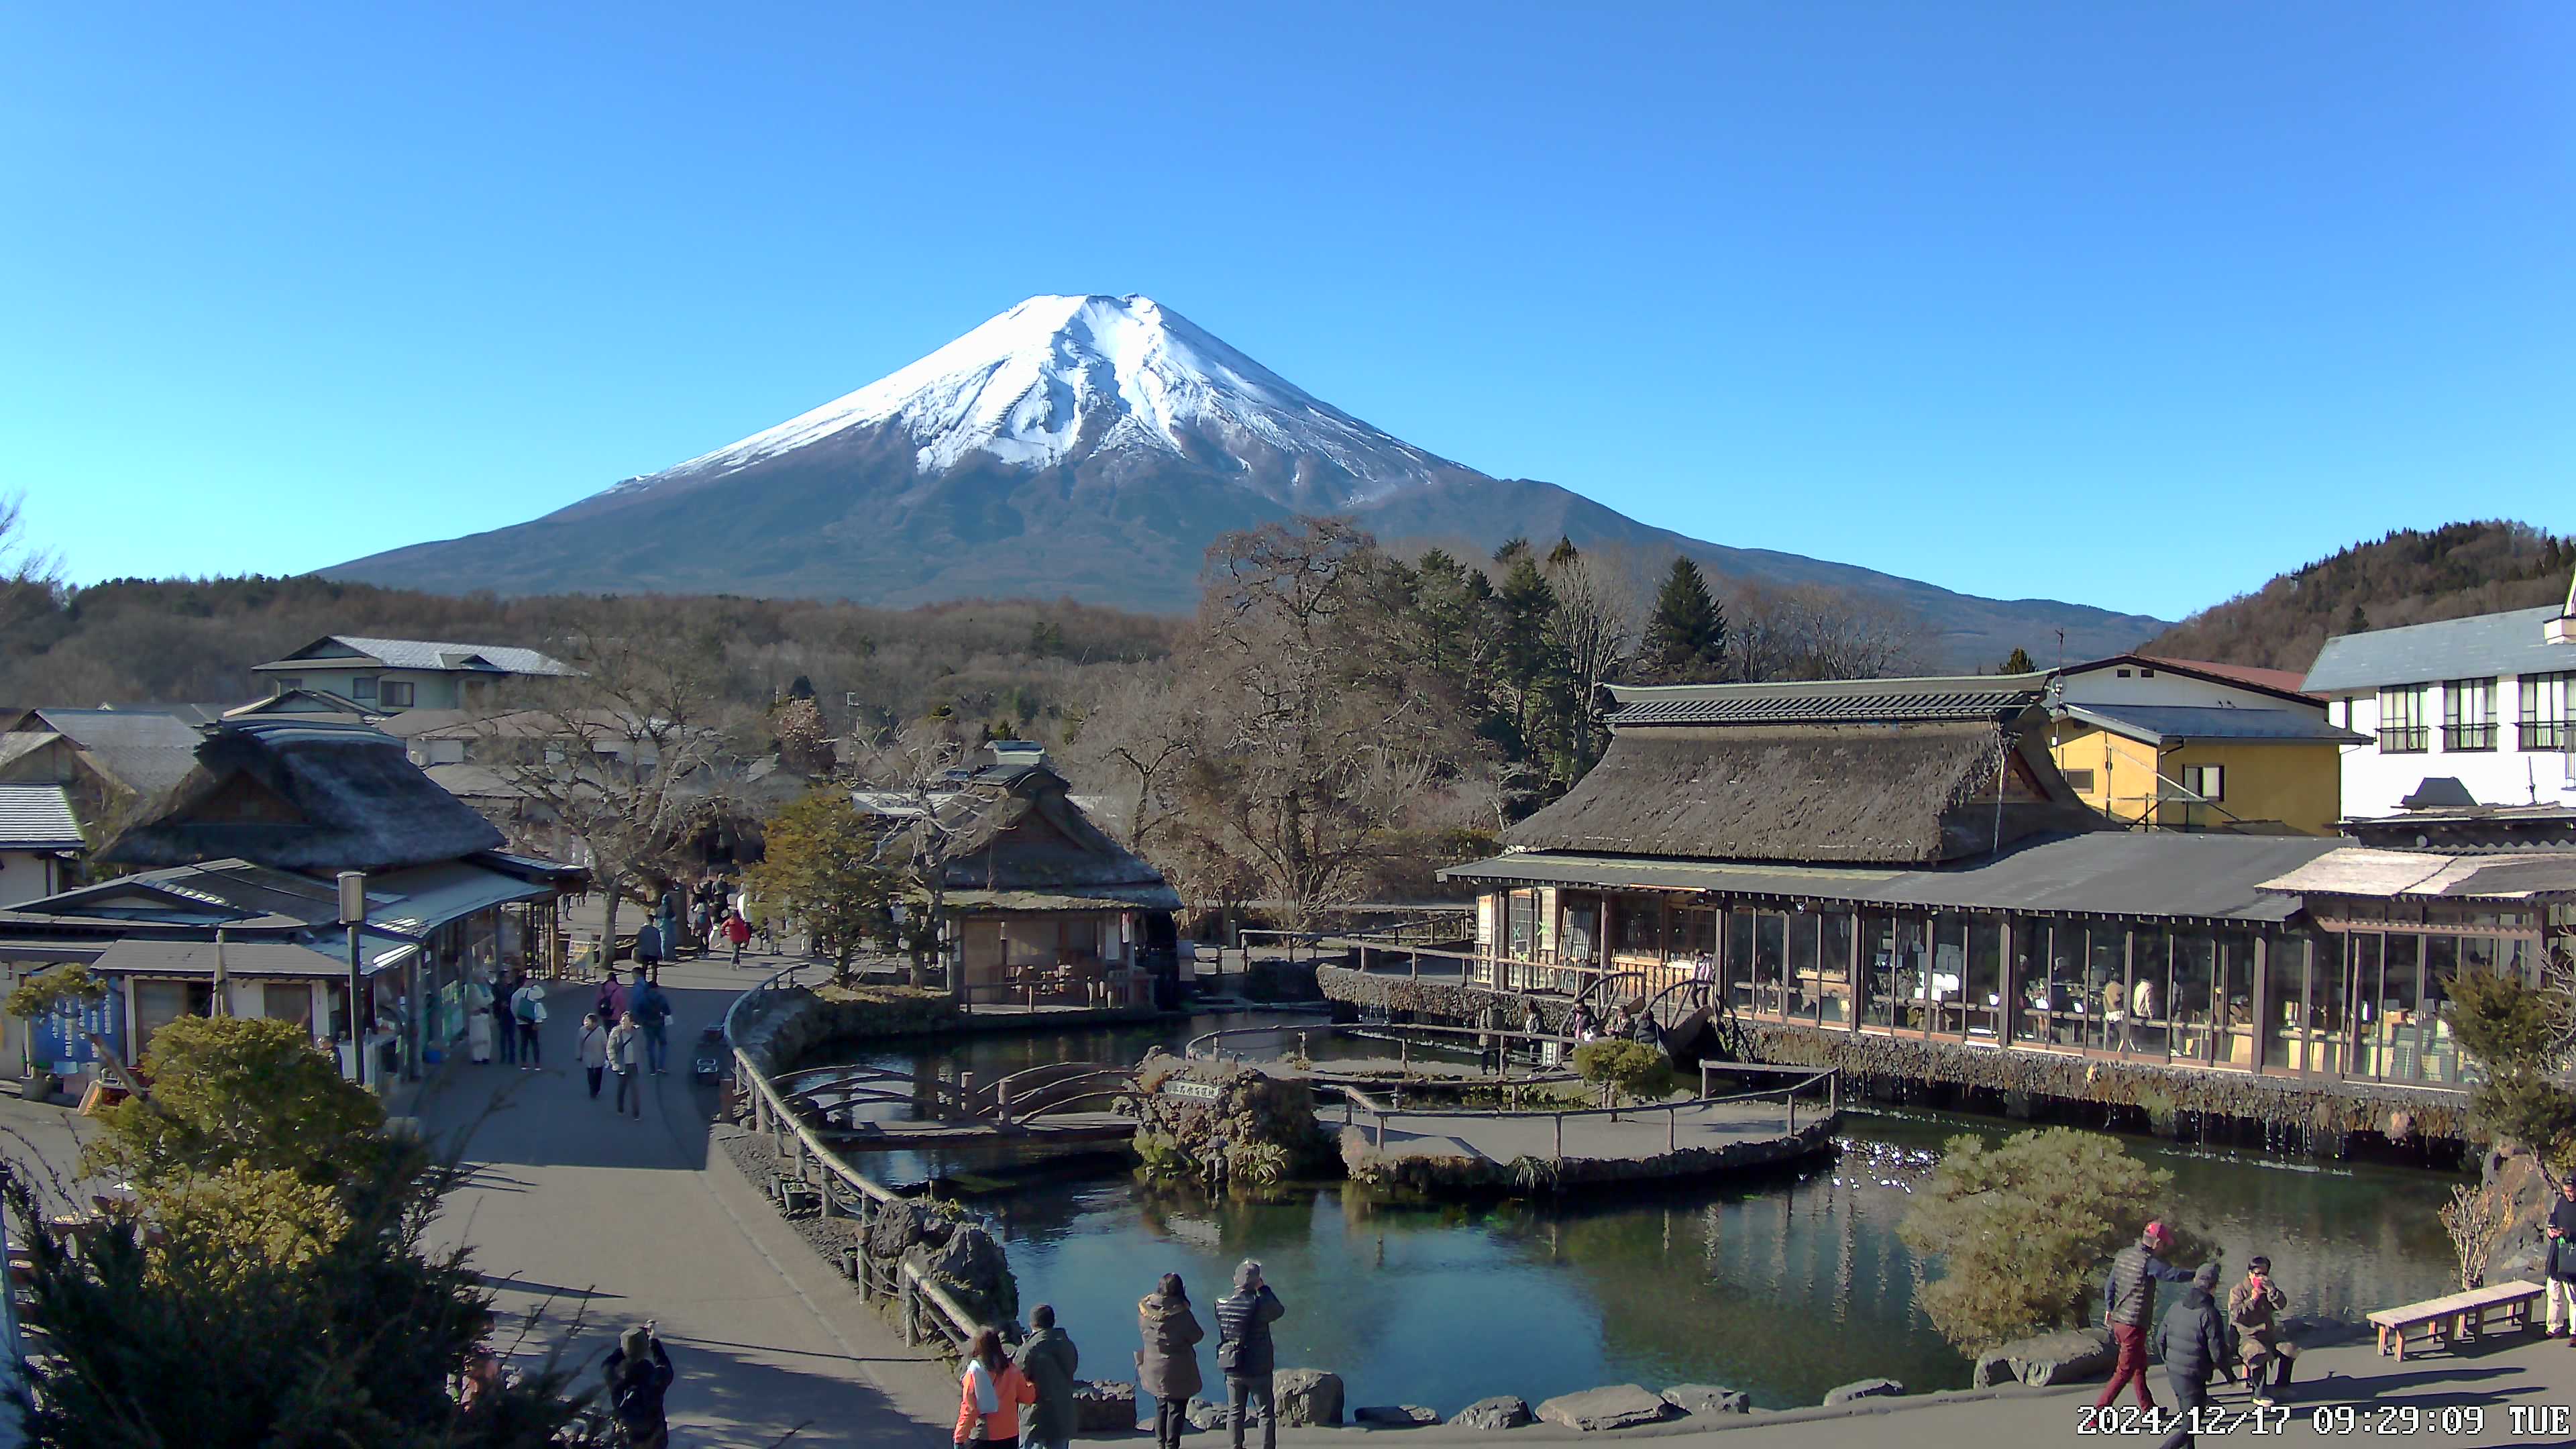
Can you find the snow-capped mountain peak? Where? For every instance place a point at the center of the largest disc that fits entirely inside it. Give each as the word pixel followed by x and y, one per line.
pixel 1057 377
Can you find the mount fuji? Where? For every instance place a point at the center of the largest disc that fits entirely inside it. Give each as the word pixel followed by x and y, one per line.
pixel 1090 447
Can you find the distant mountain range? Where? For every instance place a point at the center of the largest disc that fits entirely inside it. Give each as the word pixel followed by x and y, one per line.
pixel 1092 447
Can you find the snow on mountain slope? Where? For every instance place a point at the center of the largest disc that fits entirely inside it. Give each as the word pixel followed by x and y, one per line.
pixel 1059 376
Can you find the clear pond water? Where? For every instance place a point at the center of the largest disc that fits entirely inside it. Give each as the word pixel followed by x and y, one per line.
pixel 1783 1285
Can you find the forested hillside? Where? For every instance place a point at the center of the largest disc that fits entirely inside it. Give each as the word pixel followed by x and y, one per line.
pixel 2411 576
pixel 194 641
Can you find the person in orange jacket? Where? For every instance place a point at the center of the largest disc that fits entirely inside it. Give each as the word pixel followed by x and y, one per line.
pixel 993 1389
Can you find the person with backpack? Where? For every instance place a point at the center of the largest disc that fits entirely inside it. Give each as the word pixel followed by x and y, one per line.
pixel 621 1062
pixel 528 1010
pixel 609 1002
pixel 1245 1355
pixel 1049 1360
pixel 2129 1309
pixel 2192 1340
pixel 639 1375
pixel 650 1009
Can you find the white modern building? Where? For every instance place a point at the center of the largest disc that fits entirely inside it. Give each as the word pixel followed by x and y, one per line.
pixel 2465 714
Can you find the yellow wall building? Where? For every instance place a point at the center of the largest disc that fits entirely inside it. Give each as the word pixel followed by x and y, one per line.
pixel 2185 746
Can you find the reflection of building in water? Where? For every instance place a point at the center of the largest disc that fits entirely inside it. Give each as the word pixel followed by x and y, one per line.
pixel 1848 863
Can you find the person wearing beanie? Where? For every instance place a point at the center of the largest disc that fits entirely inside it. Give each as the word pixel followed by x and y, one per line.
pixel 2129 1307
pixel 2192 1341
pixel 1245 1354
pixel 639 1374
pixel 2253 1314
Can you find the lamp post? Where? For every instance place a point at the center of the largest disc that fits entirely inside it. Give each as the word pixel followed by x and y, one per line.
pixel 353 914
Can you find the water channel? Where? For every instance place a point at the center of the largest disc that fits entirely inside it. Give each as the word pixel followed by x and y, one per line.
pixel 1783 1285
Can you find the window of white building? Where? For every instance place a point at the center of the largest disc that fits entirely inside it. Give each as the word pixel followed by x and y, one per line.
pixel 2544 710
pixel 2402 727
pixel 2469 715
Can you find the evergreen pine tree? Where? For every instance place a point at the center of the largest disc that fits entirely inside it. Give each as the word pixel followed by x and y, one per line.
pixel 2359 622
pixel 1522 607
pixel 2017 662
pixel 1685 641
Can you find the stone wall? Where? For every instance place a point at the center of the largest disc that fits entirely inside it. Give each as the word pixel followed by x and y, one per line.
pixel 1413 1175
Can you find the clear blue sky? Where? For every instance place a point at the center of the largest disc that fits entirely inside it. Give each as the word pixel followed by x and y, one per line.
pixel 2129 304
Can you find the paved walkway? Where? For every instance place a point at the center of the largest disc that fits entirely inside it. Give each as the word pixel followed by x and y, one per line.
pixel 576 1210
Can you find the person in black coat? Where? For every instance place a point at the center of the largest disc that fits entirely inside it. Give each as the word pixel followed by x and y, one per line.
pixel 2193 1342
pixel 2562 1261
pixel 1245 1355
pixel 639 1374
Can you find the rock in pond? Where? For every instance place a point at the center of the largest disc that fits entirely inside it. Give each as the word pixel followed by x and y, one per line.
pixel 1204 1415
pixel 2050 1358
pixel 1308 1398
pixel 1101 1407
pixel 1707 1399
pixel 1615 1406
pixel 1864 1389
pixel 1394 1416
pixel 1508 1411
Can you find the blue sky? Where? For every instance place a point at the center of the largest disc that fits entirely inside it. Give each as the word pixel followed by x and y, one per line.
pixel 2134 305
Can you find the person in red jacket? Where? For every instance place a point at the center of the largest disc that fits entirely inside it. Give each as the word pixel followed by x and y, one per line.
pixel 737 931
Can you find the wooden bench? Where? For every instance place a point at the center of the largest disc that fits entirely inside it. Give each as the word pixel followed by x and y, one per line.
pixel 2457 1316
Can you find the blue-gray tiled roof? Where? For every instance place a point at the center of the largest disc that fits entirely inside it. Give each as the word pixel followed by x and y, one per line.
pixel 2472 648
pixel 2156 723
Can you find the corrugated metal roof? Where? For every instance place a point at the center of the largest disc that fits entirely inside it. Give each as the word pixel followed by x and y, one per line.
pixel 2110 873
pixel 2472 648
pixel 424 654
pixel 422 900
pixel 1827 701
pixel 139 956
pixel 37 817
pixel 2156 723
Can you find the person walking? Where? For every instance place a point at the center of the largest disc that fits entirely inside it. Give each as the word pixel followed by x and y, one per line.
pixel 504 1026
pixel 1167 1367
pixel 648 946
pixel 2560 1270
pixel 651 1008
pixel 639 1375
pixel 2253 1311
pixel 528 1010
pixel 621 1061
pixel 1049 1360
pixel 2192 1341
pixel 1244 1353
pixel 2129 1308
pixel 737 933
pixel 991 1391
pixel 592 1048
pixel 609 1002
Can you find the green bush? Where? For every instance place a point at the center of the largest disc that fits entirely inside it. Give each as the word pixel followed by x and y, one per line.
pixel 1634 1069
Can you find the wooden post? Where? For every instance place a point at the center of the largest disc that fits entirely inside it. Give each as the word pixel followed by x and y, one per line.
pixel 966 1094
pixel 1834 1092
pixel 1672 1130
pixel 909 1306
pixel 1792 1097
pixel 1417 963
pixel 1559 1124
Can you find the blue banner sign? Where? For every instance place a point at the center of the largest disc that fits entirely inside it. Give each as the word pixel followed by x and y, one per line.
pixel 59 1042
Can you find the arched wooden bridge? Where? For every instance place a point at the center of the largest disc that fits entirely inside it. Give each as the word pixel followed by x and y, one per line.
pixel 1057 1101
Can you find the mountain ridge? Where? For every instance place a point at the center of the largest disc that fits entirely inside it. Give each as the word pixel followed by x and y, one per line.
pixel 1091 447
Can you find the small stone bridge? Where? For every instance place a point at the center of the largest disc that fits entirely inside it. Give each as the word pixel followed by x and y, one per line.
pixel 1056 1102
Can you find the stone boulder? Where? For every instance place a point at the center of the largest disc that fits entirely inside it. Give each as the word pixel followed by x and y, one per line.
pixel 900 1226
pixel 970 1265
pixel 1394 1416
pixel 1100 1407
pixel 1864 1389
pixel 1509 1411
pixel 1707 1399
pixel 1616 1406
pixel 1308 1398
pixel 1204 1415
pixel 2050 1358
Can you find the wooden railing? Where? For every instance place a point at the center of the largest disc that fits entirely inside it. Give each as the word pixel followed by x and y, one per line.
pixel 818 1175
pixel 1203 1047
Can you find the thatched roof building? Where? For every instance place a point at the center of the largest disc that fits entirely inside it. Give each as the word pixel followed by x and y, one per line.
pixel 305 795
pixel 1880 772
pixel 1021 843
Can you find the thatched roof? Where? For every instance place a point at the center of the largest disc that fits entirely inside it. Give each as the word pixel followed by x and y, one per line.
pixel 1022 844
pixel 1899 771
pixel 305 795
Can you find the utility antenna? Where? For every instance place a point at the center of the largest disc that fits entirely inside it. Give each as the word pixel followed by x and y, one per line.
pixel 2061 649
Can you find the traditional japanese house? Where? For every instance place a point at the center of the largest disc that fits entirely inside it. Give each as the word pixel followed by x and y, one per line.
pixel 1892 875
pixel 1041 903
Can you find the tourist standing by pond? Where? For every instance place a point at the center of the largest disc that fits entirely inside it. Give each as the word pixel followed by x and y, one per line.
pixel 1049 1360
pixel 1244 1353
pixel 2253 1310
pixel 2129 1307
pixel 1167 1367
pixel 990 1393
pixel 2561 1267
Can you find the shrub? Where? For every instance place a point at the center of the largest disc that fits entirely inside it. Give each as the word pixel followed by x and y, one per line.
pixel 2022 1229
pixel 236 1092
pixel 1634 1069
